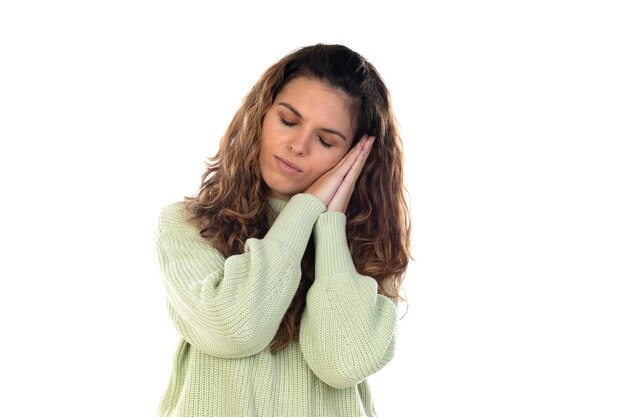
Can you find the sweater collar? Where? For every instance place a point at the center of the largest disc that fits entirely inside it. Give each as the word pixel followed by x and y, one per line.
pixel 276 204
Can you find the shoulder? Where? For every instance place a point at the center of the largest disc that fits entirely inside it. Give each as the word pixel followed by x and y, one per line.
pixel 178 237
pixel 172 217
pixel 171 211
pixel 180 247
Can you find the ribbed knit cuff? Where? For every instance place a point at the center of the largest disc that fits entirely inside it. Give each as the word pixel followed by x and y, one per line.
pixel 332 255
pixel 293 225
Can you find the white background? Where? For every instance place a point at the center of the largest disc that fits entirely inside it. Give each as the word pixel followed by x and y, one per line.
pixel 513 118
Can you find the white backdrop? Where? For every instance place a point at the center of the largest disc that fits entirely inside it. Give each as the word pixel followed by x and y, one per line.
pixel 513 117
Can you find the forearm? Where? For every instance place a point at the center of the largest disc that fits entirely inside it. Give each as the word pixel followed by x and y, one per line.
pixel 347 330
pixel 233 307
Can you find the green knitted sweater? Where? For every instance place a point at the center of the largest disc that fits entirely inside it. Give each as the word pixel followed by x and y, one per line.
pixel 227 312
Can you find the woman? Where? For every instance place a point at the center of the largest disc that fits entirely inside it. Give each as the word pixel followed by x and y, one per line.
pixel 282 274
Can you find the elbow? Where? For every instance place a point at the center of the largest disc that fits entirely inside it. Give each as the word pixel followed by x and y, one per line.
pixel 222 339
pixel 337 381
pixel 242 342
pixel 346 369
pixel 238 342
pixel 229 346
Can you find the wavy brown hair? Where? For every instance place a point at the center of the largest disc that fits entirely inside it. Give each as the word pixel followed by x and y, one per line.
pixel 231 205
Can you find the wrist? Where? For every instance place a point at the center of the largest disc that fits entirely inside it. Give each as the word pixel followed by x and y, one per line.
pixel 332 254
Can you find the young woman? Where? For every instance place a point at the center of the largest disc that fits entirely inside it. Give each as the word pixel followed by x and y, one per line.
pixel 282 274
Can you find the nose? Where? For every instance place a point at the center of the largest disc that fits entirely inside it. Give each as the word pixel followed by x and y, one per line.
pixel 299 143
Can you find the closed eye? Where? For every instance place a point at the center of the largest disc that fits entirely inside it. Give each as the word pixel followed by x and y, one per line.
pixel 286 123
pixel 292 124
pixel 324 143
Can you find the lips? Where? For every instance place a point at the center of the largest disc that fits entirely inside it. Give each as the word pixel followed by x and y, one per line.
pixel 287 166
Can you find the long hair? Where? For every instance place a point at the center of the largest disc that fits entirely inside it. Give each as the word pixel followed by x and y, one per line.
pixel 231 205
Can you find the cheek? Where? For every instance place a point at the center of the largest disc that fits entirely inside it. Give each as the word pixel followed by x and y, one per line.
pixel 328 162
pixel 337 157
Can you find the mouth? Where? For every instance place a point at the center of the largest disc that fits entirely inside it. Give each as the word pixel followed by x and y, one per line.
pixel 287 166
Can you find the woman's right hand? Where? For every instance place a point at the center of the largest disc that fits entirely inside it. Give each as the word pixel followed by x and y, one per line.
pixel 328 183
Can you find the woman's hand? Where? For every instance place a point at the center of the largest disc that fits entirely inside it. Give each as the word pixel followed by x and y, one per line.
pixel 341 198
pixel 335 186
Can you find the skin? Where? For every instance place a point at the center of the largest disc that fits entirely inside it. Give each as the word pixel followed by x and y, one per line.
pixel 305 144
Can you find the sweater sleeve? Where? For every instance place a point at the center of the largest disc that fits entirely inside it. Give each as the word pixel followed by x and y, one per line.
pixel 233 307
pixel 347 329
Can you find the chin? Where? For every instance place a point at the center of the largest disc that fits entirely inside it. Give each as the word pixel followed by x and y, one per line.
pixel 279 191
pixel 282 194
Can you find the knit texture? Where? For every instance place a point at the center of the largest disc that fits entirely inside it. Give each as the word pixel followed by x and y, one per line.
pixel 227 312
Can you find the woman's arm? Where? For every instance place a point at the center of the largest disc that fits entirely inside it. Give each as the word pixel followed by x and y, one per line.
pixel 233 307
pixel 347 330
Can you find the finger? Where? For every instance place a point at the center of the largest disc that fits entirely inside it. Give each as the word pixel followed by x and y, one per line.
pixel 348 160
pixel 351 176
pixel 326 186
pixel 341 198
pixel 358 165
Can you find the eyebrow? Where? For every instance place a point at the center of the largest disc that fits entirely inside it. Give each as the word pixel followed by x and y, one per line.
pixel 325 129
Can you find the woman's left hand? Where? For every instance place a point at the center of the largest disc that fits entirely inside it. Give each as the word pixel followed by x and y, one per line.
pixel 340 200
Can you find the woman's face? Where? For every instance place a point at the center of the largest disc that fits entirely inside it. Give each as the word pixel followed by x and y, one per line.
pixel 306 132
